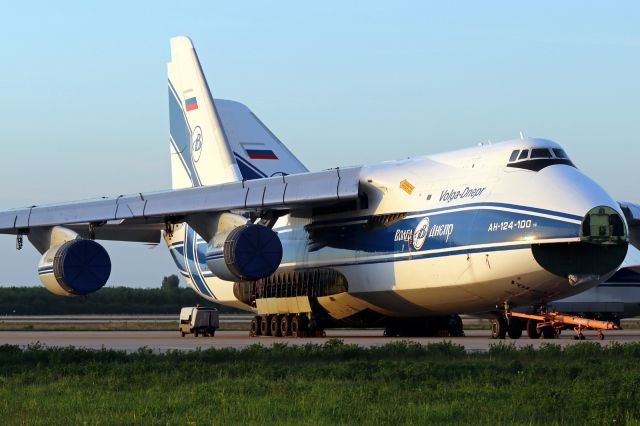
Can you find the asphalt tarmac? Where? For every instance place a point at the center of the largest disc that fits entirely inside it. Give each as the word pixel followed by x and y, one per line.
pixel 474 341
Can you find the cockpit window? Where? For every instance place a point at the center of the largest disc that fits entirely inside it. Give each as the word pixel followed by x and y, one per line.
pixel 539 158
pixel 540 153
pixel 560 153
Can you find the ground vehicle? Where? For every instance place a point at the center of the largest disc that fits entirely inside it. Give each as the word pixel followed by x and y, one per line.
pixel 199 320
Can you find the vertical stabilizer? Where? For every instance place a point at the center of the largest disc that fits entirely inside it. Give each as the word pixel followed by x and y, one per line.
pixel 200 151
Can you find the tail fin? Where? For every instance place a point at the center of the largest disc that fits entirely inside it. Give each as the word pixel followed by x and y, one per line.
pixel 200 151
pixel 257 151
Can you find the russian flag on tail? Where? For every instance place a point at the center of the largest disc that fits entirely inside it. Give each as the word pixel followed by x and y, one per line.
pixel 261 154
pixel 191 104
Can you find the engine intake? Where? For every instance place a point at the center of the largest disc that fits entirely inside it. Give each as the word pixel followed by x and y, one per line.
pixel 75 268
pixel 249 252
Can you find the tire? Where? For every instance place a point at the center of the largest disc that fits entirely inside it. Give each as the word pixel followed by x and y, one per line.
pixel 391 331
pixel 212 332
pixel 532 329
pixel 499 328
pixel 303 325
pixel 183 333
pixel 456 327
pixel 275 326
pixel 255 327
pixel 295 326
pixel 514 328
pixel 285 326
pixel 549 332
pixel 265 328
pixel 195 332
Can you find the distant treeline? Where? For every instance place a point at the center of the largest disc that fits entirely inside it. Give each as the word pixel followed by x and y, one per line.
pixel 116 300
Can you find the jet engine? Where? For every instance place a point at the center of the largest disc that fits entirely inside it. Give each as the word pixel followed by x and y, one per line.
pixel 75 268
pixel 248 252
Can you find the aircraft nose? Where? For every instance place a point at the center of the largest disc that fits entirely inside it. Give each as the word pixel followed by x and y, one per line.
pixel 601 250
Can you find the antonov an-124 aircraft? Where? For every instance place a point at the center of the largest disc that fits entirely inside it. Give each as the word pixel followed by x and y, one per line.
pixel 405 245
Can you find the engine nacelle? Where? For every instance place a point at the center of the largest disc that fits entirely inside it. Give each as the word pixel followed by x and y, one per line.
pixel 75 268
pixel 249 252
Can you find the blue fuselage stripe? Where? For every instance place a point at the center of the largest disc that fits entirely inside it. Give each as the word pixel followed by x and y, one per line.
pixel 524 209
pixel 191 245
pixel 443 230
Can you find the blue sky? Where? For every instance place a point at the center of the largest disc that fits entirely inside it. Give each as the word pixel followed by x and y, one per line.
pixel 84 109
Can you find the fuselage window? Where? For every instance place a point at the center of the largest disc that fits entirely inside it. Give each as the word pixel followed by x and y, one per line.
pixel 523 154
pixel 560 153
pixel 540 153
pixel 514 156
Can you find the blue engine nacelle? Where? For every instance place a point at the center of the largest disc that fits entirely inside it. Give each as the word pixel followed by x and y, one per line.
pixel 249 252
pixel 75 268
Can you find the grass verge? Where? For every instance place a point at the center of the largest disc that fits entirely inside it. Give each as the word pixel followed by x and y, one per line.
pixel 333 383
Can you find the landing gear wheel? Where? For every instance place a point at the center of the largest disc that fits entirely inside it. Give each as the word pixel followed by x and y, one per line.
pixel 456 327
pixel 600 335
pixel 514 329
pixel 532 329
pixel 183 333
pixel 265 329
pixel 254 330
pixel 275 326
pixel 285 326
pixel 303 325
pixel 295 326
pixel 549 332
pixel 498 328
pixel 391 331
pixel 196 332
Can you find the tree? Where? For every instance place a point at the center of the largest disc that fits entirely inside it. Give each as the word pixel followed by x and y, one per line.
pixel 172 282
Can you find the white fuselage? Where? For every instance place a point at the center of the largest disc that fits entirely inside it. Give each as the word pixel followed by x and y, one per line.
pixel 460 243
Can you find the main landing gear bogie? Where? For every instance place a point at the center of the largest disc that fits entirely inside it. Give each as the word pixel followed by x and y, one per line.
pixel 283 325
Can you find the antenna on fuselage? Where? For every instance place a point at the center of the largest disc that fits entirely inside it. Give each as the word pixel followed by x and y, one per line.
pixel 521 135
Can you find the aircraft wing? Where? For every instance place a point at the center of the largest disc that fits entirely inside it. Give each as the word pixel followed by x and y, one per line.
pixel 142 216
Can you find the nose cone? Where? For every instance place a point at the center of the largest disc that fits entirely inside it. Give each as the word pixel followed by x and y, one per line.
pixel 569 190
pixel 603 240
pixel 601 249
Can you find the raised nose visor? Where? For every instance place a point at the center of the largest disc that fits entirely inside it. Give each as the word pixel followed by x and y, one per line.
pixel 601 249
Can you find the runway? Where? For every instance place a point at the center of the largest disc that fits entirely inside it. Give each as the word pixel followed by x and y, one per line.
pixel 474 341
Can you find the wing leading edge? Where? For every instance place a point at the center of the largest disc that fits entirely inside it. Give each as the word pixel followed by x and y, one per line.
pixel 136 212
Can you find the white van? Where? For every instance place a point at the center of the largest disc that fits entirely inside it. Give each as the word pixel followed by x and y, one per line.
pixel 199 320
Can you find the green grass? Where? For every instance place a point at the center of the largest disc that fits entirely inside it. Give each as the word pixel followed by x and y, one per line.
pixel 334 383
